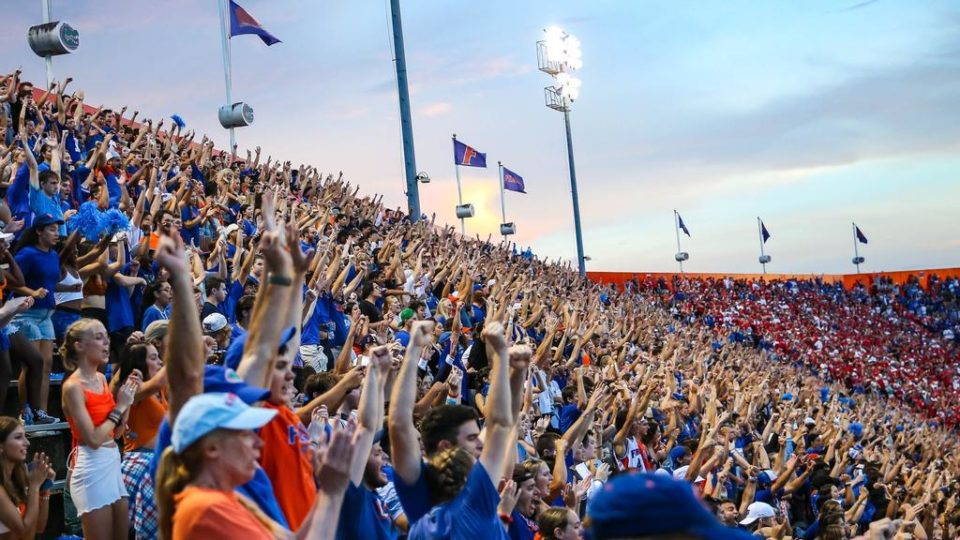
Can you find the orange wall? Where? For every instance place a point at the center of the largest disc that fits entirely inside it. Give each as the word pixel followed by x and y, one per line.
pixel 848 280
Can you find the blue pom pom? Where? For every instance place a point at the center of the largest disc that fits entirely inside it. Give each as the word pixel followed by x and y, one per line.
pixel 115 221
pixel 87 221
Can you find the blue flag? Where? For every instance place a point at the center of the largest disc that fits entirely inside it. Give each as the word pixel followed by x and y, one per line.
pixel 467 156
pixel 242 23
pixel 764 233
pixel 862 238
pixel 512 181
pixel 683 226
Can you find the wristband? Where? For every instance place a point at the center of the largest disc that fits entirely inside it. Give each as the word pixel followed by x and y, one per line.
pixel 282 281
pixel 506 519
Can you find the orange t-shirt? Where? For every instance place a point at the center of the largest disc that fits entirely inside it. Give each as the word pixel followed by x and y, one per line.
pixel 144 421
pixel 286 461
pixel 211 513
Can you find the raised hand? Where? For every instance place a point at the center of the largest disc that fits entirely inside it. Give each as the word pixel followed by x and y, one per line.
pixel 493 335
pixel 129 390
pixel 520 356
pixel 381 360
pixel 172 256
pixel 334 472
pixel 421 334
pixel 509 495
pixel 301 260
pixel 274 252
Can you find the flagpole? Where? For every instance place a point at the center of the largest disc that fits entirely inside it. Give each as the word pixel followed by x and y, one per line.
pixel 456 166
pixel 856 249
pixel 760 232
pixel 503 200
pixel 227 70
pixel 676 228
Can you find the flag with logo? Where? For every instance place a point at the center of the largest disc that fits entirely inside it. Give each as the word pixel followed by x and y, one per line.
pixel 242 22
pixel 467 156
pixel 862 238
pixel 683 226
pixel 512 181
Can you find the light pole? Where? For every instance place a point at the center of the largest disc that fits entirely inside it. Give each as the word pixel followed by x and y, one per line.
pixel 557 55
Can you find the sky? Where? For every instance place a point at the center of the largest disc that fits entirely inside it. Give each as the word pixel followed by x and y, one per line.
pixel 810 114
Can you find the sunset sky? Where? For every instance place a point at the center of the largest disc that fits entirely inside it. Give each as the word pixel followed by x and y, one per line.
pixel 811 114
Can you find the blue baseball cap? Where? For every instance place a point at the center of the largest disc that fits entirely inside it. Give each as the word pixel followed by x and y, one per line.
pixel 235 351
pixel 205 413
pixel 641 504
pixel 223 379
pixel 46 219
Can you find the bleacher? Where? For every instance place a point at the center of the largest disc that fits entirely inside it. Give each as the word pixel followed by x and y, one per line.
pixel 53 439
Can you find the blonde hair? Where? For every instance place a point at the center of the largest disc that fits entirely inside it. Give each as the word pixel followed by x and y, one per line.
pixel 175 473
pixel 447 473
pixel 75 332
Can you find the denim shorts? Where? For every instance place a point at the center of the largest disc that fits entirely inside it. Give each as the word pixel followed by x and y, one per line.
pixel 35 324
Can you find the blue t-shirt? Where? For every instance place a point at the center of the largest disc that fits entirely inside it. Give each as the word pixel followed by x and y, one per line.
pixel 569 414
pixel 318 320
pixel 471 515
pixel 415 498
pixel 41 269
pixel 153 313
pixel 119 307
pixel 521 528
pixel 363 515
pixel 18 195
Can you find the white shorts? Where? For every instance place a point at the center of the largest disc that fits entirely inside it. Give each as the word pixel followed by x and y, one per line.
pixel 96 480
pixel 313 356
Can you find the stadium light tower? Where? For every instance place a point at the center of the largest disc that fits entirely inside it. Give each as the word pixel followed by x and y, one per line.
pixel 558 53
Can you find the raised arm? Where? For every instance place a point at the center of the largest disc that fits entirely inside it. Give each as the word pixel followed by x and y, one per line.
pixel 370 411
pixel 405 446
pixel 184 363
pixel 499 411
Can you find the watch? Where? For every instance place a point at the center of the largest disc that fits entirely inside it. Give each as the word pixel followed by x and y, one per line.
pixel 275 279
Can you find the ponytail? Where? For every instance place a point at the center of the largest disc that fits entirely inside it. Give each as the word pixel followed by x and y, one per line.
pixel 446 473
pixel 173 474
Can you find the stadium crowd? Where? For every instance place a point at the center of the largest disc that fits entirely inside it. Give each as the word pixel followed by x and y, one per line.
pixel 900 341
pixel 255 350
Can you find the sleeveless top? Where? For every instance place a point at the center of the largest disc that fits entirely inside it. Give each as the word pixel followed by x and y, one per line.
pixel 144 421
pixel 69 296
pixel 98 405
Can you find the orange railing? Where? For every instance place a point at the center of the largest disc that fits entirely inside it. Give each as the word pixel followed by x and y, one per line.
pixel 848 280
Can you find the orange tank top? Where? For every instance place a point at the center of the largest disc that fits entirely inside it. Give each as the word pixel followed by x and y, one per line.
pixel 98 405
pixel 144 420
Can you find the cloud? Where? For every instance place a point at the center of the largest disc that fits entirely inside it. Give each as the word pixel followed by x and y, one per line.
pixel 439 108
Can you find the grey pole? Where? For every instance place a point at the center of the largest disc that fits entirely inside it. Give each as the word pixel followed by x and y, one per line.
pixel 676 227
pixel 856 248
pixel 456 167
pixel 227 69
pixel 503 199
pixel 573 189
pixel 46 14
pixel 760 232
pixel 406 123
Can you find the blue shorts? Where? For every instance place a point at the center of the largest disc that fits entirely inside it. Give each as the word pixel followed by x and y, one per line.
pixel 62 320
pixel 35 324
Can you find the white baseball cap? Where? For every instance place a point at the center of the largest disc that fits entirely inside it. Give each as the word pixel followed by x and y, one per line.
pixel 756 510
